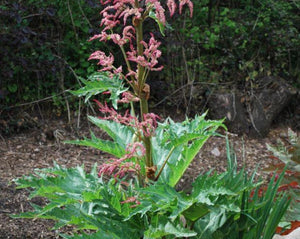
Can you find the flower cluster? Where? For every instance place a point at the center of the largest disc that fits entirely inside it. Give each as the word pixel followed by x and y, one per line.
pixel 128 97
pixel 149 59
pixel 126 8
pixel 117 11
pixel 122 166
pixel 146 127
pixel 127 36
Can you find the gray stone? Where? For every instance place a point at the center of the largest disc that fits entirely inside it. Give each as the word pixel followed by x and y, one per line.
pixel 254 112
pixel 229 106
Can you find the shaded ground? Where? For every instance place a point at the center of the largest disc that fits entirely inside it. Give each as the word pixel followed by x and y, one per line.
pixel 38 147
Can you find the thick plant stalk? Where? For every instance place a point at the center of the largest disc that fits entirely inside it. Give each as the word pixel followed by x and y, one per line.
pixel 143 91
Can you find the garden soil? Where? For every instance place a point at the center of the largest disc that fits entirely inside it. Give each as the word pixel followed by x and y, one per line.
pixel 41 145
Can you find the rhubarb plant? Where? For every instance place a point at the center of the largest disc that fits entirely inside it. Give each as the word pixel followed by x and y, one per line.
pixel 133 194
pixel 151 150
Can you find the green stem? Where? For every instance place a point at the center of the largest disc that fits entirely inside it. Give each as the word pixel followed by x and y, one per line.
pixel 125 58
pixel 132 111
pixel 145 76
pixel 141 84
pixel 140 51
pixel 129 69
pixel 164 164
pixel 147 140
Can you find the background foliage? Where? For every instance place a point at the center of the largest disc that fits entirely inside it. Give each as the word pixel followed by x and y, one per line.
pixel 231 43
pixel 45 47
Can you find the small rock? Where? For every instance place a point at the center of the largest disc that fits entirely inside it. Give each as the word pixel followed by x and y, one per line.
pixel 216 152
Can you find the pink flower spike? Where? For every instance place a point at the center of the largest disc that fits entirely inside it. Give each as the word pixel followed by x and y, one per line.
pixel 116 38
pixel 95 37
pixel 108 168
pixel 189 3
pixel 132 73
pixel 172 7
pixel 127 97
pixel 118 70
pixel 105 61
pixel 133 150
pixel 128 12
pixel 108 23
pixel 159 10
pixel 151 54
pixel 153 117
pixel 157 68
pixel 128 33
pixel 149 124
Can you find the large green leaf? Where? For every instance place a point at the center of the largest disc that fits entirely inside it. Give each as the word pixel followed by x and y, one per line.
pixel 100 82
pixel 179 143
pixel 196 211
pixel 161 226
pixel 121 134
pixel 164 198
pixel 211 198
pixel 103 145
pixel 215 190
pixel 81 199
pixel 209 224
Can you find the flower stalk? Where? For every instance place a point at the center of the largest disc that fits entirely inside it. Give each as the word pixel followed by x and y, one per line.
pixel 140 58
pixel 142 93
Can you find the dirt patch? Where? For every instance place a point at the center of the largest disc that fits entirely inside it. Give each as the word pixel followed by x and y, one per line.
pixel 38 147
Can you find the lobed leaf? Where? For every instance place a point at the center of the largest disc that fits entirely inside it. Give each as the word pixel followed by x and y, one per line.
pixel 121 134
pixel 179 143
pixel 100 82
pixel 161 226
pixel 80 199
pixel 107 146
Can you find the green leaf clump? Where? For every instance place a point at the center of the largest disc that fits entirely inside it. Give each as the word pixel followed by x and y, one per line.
pixel 226 205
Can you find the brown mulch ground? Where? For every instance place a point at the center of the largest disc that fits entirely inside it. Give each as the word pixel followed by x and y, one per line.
pixel 38 147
